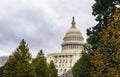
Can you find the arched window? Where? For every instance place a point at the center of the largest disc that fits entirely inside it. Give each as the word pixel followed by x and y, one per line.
pixel 63 65
pixel 64 70
pixel 60 70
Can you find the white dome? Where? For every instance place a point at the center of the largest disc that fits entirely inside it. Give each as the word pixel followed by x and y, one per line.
pixel 73 33
pixel 73 39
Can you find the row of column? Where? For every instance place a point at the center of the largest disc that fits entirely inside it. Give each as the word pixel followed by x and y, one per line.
pixel 69 39
pixel 71 46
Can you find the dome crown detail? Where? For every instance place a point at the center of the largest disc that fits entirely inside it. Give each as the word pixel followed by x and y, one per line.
pixel 73 23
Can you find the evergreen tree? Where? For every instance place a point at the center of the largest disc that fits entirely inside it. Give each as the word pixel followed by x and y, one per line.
pixel 19 63
pixel 83 66
pixel 1 71
pixel 103 38
pixel 52 71
pixel 40 65
pixel 107 55
pixel 102 9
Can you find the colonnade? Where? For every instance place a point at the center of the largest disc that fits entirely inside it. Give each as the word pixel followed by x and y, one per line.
pixel 71 46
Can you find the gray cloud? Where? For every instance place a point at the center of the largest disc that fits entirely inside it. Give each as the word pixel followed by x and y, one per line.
pixel 42 23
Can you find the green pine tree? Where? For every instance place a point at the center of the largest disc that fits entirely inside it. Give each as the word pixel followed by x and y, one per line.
pixel 1 71
pixel 19 63
pixel 52 71
pixel 102 10
pixel 83 66
pixel 40 65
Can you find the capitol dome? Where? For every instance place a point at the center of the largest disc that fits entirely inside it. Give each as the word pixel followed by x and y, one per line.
pixel 73 39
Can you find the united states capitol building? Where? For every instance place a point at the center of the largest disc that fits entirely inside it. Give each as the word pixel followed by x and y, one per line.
pixel 71 48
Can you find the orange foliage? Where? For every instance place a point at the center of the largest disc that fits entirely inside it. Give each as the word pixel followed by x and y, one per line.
pixel 107 56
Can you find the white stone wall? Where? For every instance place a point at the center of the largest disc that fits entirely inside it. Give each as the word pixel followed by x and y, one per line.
pixel 63 61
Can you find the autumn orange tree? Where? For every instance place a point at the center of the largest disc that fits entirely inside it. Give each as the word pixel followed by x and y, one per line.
pixel 107 55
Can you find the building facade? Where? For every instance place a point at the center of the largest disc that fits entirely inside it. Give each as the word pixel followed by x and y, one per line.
pixel 71 48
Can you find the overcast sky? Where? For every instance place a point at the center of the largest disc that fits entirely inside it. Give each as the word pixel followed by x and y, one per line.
pixel 42 23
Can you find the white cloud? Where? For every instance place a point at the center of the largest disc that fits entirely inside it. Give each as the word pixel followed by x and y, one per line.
pixel 42 23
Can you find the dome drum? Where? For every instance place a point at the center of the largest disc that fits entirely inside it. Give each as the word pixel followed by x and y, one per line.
pixel 73 38
pixel 72 46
